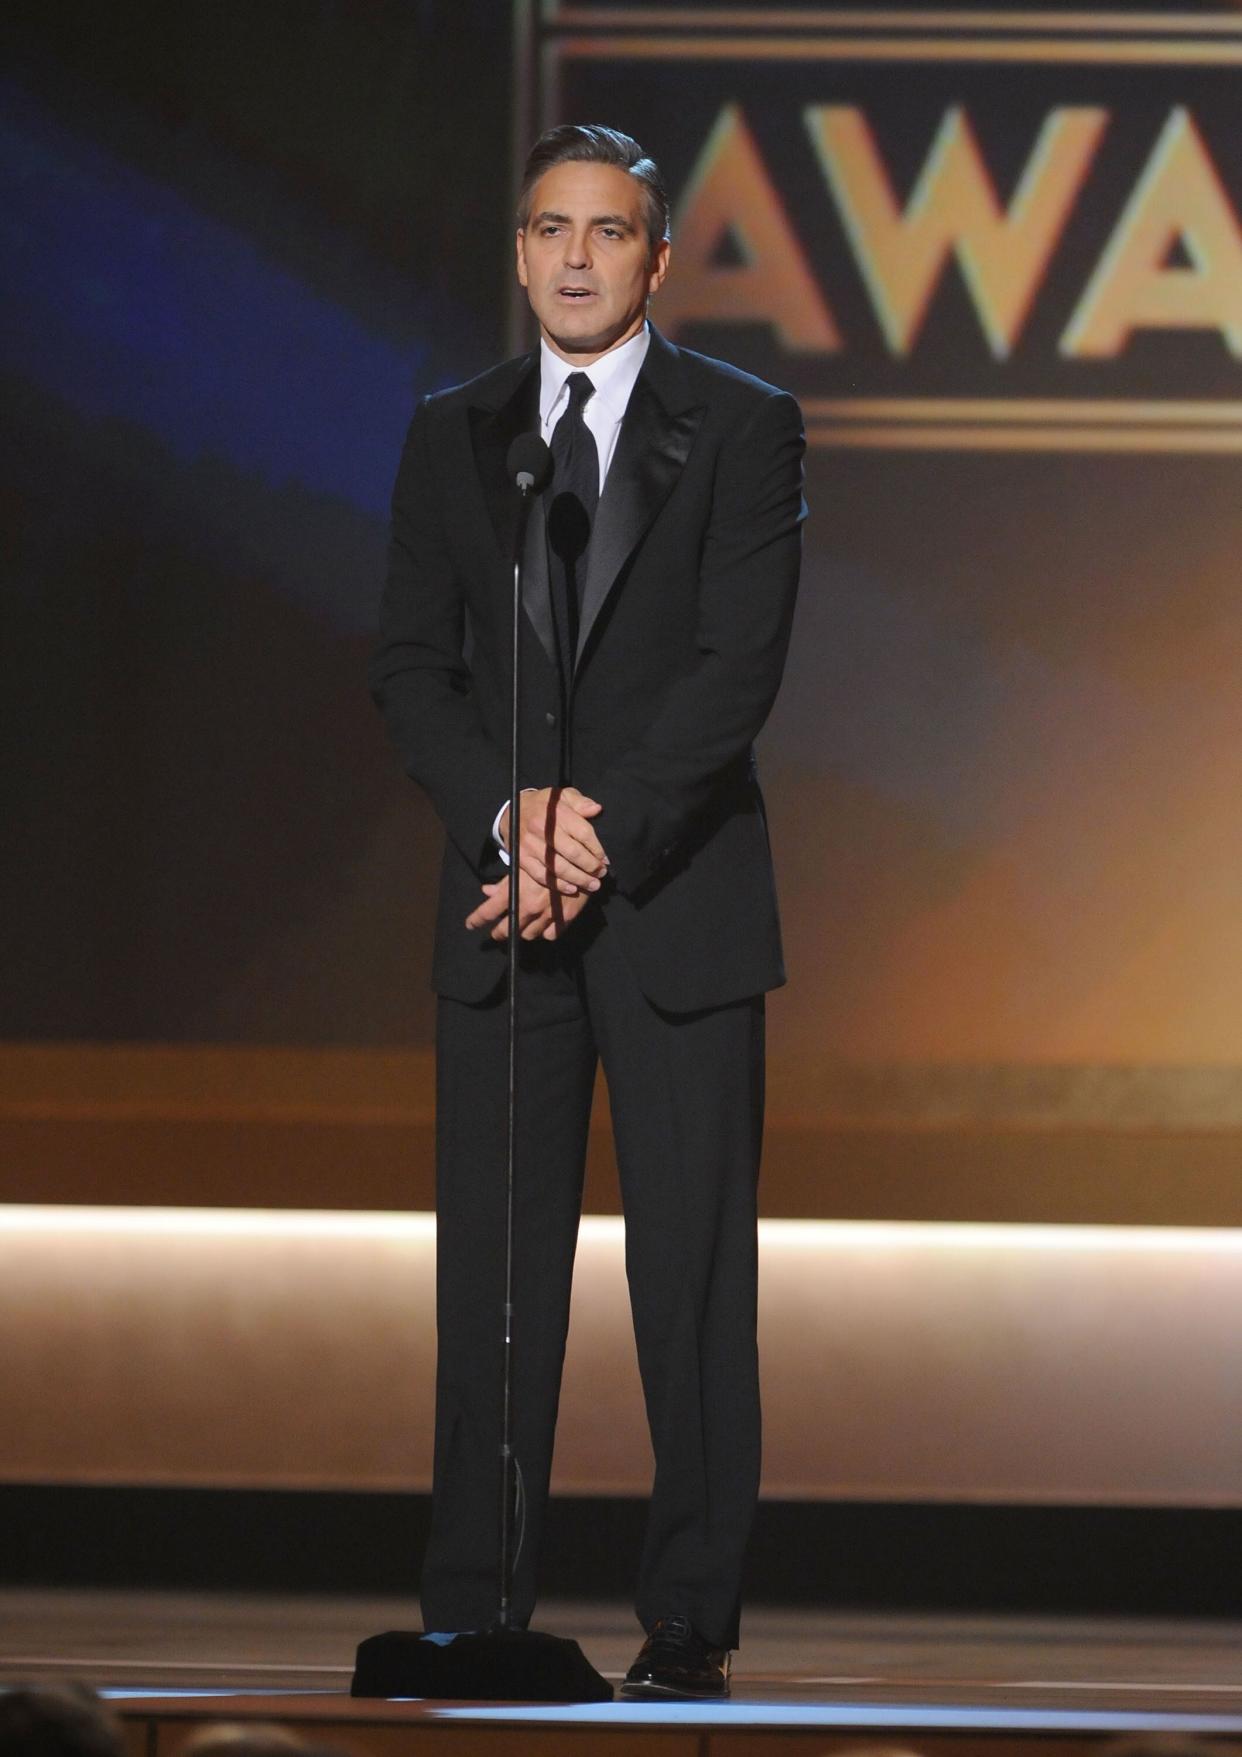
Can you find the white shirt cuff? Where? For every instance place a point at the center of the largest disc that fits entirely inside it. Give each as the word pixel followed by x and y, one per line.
pixel 500 847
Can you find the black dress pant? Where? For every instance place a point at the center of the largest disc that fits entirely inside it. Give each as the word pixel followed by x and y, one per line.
pixel 686 1092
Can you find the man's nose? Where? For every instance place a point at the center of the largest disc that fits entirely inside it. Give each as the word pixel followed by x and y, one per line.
pixel 577 251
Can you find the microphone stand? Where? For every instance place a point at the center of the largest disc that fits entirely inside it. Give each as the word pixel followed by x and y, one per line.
pixel 502 1663
pixel 510 1468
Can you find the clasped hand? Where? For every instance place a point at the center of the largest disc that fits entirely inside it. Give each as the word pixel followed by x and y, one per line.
pixel 561 864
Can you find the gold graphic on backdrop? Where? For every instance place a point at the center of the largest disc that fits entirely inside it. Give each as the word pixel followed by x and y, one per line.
pixel 886 19
pixel 1169 256
pixel 730 196
pixel 1178 201
pixel 954 212
pixel 1050 51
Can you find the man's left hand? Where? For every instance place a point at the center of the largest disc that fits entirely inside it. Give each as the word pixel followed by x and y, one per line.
pixel 559 847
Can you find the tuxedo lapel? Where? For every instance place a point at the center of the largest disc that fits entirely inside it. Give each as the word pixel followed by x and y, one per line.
pixel 657 432
pixel 492 431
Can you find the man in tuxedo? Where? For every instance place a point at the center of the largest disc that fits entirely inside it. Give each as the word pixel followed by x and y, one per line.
pixel 660 572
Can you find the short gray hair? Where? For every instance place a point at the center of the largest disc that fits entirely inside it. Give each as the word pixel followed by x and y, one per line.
pixel 594 144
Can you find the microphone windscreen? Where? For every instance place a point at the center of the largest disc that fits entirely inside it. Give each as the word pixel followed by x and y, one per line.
pixel 530 462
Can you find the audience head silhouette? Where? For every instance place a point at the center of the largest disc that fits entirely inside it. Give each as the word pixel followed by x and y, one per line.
pixel 62 1722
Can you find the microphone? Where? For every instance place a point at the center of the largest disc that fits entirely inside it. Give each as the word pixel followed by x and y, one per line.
pixel 529 464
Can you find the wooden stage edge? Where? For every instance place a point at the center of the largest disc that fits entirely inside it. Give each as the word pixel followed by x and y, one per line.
pixel 773 1715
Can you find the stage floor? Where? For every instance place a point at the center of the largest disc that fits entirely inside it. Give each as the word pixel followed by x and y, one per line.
pixel 922 1683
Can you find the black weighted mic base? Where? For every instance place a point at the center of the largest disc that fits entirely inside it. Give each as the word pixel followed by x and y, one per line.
pixel 499 1664
pixel 496 1665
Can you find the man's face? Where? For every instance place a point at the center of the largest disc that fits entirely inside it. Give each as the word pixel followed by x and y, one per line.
pixel 585 261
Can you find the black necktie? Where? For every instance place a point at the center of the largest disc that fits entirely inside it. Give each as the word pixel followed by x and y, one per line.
pixel 575 496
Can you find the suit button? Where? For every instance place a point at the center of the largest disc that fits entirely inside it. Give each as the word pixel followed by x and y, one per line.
pixel 549 719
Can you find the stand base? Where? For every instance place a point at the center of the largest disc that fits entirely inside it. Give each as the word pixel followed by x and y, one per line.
pixel 495 1665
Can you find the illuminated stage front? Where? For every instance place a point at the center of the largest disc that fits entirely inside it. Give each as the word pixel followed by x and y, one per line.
pixel 748 1726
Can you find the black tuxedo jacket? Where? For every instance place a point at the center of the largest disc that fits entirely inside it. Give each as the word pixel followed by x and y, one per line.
pixel 691 577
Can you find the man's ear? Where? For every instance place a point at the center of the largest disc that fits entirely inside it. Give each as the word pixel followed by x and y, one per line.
pixel 521 257
pixel 659 267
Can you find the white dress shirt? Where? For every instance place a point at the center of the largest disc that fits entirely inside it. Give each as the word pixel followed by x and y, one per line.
pixel 614 375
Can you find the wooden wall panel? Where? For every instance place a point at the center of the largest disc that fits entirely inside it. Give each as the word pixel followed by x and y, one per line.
pixel 353 1129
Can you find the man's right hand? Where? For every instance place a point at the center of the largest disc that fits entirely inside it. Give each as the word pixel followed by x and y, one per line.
pixel 559 848
pixel 542 914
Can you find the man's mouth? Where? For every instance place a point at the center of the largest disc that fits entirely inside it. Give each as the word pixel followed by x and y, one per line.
pixel 576 292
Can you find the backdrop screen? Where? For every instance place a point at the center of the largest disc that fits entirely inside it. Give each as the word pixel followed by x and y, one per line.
pixel 998 257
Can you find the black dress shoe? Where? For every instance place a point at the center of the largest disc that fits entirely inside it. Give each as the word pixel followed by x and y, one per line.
pixel 674 1661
